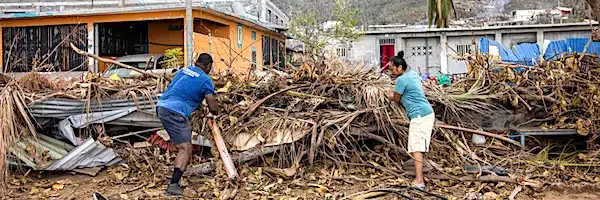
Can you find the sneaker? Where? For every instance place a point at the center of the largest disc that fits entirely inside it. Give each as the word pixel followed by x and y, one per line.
pixel 174 190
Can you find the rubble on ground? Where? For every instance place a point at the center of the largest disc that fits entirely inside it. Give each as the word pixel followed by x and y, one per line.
pixel 326 116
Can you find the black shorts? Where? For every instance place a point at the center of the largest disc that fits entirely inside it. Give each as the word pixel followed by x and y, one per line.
pixel 177 126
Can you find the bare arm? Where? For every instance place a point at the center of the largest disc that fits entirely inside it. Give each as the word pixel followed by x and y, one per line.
pixel 397 97
pixel 394 96
pixel 213 107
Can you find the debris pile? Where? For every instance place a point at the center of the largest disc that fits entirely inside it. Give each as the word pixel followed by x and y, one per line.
pixel 325 113
pixel 560 94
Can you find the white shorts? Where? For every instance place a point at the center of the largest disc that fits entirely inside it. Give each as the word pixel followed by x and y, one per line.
pixel 419 133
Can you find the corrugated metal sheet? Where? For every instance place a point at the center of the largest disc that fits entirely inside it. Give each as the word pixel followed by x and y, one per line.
pixel 63 108
pixel 89 154
pixel 47 153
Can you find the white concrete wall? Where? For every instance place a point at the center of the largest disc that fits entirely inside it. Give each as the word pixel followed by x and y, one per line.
pixel 366 50
pixel 367 47
pixel 511 39
pixel 459 66
pixel 564 35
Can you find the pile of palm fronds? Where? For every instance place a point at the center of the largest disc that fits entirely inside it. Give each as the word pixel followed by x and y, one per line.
pixel 340 115
pixel 555 94
pixel 15 123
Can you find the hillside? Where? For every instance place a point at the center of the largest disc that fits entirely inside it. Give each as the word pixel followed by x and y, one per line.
pixel 415 11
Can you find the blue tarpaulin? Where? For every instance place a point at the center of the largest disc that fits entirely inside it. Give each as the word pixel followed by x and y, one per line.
pixel 593 48
pixel 576 44
pixel 527 53
pixel 506 54
pixel 555 49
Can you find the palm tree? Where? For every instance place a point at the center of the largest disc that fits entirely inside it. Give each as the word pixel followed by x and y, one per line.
pixel 439 12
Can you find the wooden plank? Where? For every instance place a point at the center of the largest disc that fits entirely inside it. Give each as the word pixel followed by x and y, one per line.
pixel 223 152
pixel 88 171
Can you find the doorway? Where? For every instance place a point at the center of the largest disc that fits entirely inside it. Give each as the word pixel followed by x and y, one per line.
pixel 387 49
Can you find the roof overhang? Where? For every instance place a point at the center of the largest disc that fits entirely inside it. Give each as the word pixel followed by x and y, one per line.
pixel 144 9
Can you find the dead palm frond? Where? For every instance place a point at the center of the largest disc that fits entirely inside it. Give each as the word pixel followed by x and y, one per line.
pixel 438 13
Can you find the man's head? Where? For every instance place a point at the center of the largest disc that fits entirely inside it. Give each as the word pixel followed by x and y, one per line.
pixel 205 62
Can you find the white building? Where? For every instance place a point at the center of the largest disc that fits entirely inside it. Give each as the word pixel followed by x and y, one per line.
pixel 526 15
pixel 427 50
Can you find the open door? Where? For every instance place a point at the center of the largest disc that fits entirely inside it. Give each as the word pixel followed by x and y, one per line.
pixel 386 51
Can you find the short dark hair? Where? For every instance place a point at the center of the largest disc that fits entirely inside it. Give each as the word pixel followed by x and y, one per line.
pixel 398 61
pixel 204 60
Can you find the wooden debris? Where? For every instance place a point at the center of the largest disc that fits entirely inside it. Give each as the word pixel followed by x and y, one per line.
pixel 88 171
pixel 223 152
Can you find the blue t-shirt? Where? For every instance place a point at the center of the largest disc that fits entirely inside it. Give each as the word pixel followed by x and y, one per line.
pixel 409 85
pixel 187 90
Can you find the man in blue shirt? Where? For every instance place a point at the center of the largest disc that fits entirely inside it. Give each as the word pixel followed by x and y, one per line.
pixel 410 93
pixel 188 89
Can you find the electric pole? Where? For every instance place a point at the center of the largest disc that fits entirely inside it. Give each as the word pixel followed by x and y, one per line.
pixel 189 33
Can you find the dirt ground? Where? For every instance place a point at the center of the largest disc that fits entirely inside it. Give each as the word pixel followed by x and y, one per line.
pixel 256 184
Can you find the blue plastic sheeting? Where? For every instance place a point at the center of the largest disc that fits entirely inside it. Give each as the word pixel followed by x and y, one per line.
pixel 555 50
pixel 576 44
pixel 594 48
pixel 506 54
pixel 528 53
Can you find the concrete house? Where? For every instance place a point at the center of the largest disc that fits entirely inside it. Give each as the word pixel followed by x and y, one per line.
pixel 237 41
pixel 426 49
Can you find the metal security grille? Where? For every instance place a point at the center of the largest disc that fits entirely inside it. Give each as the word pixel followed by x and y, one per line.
pixel 387 41
pixel 44 48
pixel 463 49
pixel 123 38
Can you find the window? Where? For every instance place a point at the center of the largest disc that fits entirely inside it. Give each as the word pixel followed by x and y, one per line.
pixel 276 19
pixel 160 63
pixel 387 41
pixel 342 52
pixel 281 54
pixel 274 51
pixel 253 35
pixel 463 49
pixel 239 36
pixel 50 41
pixel 269 16
pixel 253 64
pixel 421 50
pixel 266 49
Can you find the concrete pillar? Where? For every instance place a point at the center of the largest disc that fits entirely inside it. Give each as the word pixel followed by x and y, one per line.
pixel 444 53
pixel 540 40
pixel 90 46
pixel 498 37
pixel 263 10
pixel 189 33
pixel 401 45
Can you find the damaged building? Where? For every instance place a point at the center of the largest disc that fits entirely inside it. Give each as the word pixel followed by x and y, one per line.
pixel 40 40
